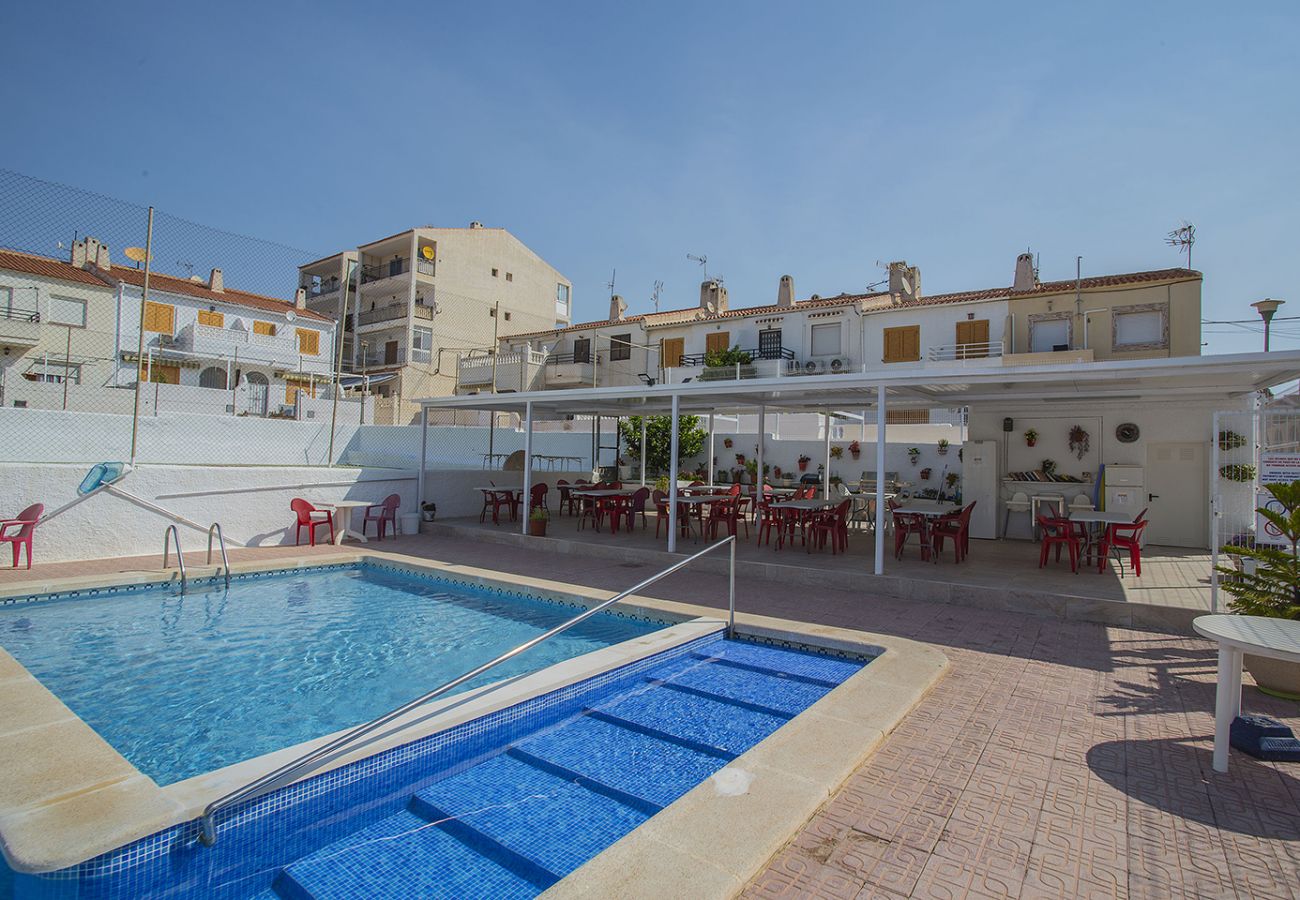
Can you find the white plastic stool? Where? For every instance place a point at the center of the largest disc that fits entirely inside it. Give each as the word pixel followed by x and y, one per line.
pixel 1019 503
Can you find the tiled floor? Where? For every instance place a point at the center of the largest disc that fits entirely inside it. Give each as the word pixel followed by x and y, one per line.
pixel 1056 759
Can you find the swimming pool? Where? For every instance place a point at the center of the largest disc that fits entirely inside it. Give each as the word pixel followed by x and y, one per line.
pixel 183 685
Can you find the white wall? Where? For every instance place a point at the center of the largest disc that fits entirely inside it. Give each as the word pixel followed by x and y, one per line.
pixel 251 503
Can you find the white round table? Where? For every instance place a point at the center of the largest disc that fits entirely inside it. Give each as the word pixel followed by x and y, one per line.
pixel 1276 638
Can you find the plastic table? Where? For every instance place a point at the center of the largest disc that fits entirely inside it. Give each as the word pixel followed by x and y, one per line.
pixel 344 529
pixel 1276 638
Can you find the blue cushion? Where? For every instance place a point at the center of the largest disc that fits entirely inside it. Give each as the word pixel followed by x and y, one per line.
pixel 1264 738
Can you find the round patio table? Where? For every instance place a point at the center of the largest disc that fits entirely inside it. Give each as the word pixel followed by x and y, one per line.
pixel 1276 638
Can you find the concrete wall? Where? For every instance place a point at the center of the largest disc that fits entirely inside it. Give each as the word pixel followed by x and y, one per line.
pixel 251 503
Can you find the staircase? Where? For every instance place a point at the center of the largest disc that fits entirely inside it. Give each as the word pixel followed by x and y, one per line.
pixel 517 822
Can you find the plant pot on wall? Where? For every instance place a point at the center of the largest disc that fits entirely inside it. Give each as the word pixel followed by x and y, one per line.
pixel 1277 677
pixel 537 527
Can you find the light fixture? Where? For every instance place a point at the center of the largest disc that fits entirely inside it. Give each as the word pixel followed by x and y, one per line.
pixel 1266 309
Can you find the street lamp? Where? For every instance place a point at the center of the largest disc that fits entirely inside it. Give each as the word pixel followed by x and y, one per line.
pixel 1266 309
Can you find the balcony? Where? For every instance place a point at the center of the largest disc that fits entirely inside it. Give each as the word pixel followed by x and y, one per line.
pixel 567 370
pixel 511 372
pixel 391 312
pixel 20 326
pixel 279 350
pixel 966 353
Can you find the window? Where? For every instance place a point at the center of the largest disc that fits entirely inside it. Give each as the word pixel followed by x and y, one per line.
pixel 510 276
pixel 494 273
pixel 53 372
pixel 562 300
pixel 308 341
pixel 213 377
pixel 266 328
pixel 1046 335
pixel 395 267
pixel 826 339
pixel 901 344
pixel 582 350
pixel 973 339
pixel 159 318
pixel 717 341
pixel 620 347
pixel 1141 328
pixel 421 344
pixel 68 311
pixel 6 299
pixel 769 343
pixel 212 319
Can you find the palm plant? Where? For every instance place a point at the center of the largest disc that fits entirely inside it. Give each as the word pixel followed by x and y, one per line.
pixel 1273 588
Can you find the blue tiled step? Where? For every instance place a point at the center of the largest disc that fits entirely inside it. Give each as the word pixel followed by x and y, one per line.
pixel 705 692
pixel 787 695
pixel 701 722
pixel 827 669
pixel 554 823
pixel 657 771
pixel 402 856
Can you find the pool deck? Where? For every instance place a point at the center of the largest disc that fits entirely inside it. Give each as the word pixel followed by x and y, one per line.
pixel 1058 758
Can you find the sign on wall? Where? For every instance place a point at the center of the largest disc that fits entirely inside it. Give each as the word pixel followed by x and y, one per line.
pixel 1274 468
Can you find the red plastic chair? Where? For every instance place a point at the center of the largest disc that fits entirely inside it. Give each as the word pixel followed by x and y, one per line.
pixel 1060 533
pixel 1123 537
pixel 22 526
pixel 381 514
pixel 906 525
pixel 567 500
pixel 497 501
pixel 537 497
pixel 660 500
pixel 833 524
pixel 309 518
pixel 956 527
pixel 637 507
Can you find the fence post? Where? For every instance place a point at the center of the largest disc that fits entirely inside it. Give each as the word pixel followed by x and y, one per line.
pixel 144 297
pixel 1214 516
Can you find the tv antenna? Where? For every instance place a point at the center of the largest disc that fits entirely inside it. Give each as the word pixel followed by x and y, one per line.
pixel 187 266
pixel 654 297
pixel 1182 238
pixel 703 260
pixel 610 284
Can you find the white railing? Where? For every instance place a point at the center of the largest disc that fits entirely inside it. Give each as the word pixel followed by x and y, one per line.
pixel 965 352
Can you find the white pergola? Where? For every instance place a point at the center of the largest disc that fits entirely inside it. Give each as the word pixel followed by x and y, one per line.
pixel 970 383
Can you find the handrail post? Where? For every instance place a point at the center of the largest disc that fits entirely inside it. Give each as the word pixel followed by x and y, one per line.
pixel 731 590
pixel 221 541
pixel 168 536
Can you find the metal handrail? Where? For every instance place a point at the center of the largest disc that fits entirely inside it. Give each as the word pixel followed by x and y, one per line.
pixel 308 761
pixel 221 542
pixel 168 536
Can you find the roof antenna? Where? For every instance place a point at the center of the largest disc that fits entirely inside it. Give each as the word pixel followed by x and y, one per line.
pixel 703 260
pixel 654 298
pixel 610 284
pixel 1182 239
pixel 187 266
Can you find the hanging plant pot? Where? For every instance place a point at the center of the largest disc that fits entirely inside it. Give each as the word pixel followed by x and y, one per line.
pixel 803 463
pixel 1079 441
pixel 925 474
pixel 1031 438
pixel 726 442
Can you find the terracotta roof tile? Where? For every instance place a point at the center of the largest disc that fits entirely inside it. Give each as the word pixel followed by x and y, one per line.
pixel 173 285
pixel 16 261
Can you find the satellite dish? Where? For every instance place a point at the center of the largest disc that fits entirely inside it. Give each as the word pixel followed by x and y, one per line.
pixel 426 252
pixel 710 307
pixel 290 315
pixel 136 254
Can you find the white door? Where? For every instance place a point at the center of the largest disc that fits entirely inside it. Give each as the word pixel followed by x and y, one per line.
pixel 1177 495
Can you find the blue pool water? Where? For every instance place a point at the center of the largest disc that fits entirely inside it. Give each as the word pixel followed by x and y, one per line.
pixel 184 685
pixel 503 806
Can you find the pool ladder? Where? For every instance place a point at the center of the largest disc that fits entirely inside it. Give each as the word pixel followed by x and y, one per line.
pixel 172 536
pixel 315 759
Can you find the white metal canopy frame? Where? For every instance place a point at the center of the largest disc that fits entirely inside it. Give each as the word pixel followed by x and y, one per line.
pixel 989 383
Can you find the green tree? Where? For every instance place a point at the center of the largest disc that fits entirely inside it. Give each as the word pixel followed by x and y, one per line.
pixel 658 433
pixel 729 357
pixel 1273 589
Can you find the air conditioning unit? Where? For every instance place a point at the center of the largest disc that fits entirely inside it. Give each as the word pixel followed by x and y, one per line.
pixel 838 364
pixel 814 367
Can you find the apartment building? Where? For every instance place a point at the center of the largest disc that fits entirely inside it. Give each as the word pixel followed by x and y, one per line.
pixel 414 302
pixel 1125 316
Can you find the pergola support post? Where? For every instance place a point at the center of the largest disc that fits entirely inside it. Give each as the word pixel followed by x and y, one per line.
pixel 826 470
pixel 643 451
pixel 758 479
pixel 672 477
pixel 528 467
pixel 880 480
pixel 424 455
pixel 712 462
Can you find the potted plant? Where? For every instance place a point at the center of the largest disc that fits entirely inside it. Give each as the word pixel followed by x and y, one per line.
pixel 776 471
pixel 1230 440
pixel 751 468
pixel 943 446
pixel 804 459
pixel 726 442
pixel 914 454
pixel 625 472
pixel 837 452
pixel 1269 585
pixel 951 480
pixel 1238 472
pixel 1047 467
pixel 925 474
pixel 537 520
pixel 1079 441
pixel 740 459
pixel 1031 438
pixel 855 449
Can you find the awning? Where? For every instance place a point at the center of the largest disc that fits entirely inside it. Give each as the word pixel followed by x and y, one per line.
pixel 352 381
pixel 969 383
pixel 163 356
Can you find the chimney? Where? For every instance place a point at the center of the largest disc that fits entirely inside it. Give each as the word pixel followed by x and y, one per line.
pixel 102 261
pixel 713 296
pixel 78 257
pixel 1026 277
pixel 89 252
pixel 475 225
pixel 216 282
pixel 616 308
pixel 785 291
pixel 299 297
pixel 904 281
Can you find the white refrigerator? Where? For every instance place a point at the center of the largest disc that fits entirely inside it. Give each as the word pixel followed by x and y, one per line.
pixel 1125 491
pixel 980 479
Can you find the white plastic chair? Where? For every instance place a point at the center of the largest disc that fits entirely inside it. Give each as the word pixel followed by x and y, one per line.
pixel 1081 502
pixel 1019 503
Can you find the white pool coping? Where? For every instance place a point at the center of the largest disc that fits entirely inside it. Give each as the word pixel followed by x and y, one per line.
pixel 67 796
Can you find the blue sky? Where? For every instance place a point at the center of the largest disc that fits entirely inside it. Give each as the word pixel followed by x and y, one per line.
pixel 810 139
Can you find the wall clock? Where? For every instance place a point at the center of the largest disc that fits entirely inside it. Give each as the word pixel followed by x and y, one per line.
pixel 1127 433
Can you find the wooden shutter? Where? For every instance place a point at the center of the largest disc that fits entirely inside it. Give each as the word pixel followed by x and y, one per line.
pixel 159 317
pixel 972 333
pixel 308 341
pixel 902 344
pixel 717 340
pixel 670 352
pixel 907 417
pixel 161 374
pixel 267 328
pixel 215 319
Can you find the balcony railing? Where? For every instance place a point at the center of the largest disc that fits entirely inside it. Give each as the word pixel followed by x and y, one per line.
pixel 380 271
pixel 21 315
pixel 20 326
pixel 965 352
pixel 697 359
